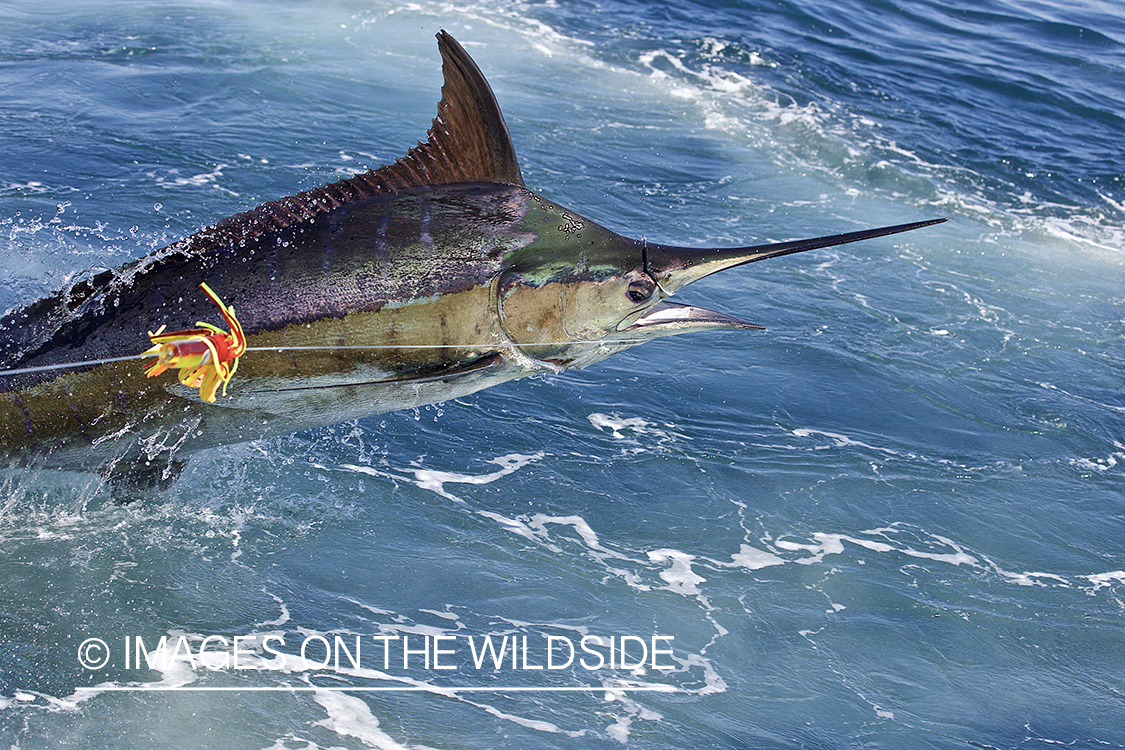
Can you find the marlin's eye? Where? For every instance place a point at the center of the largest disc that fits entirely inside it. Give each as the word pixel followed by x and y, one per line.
pixel 640 290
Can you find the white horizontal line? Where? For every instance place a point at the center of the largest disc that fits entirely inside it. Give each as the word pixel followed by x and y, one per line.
pixel 384 689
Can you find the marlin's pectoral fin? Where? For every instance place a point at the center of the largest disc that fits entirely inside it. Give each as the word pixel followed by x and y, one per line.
pixel 428 375
pixel 487 362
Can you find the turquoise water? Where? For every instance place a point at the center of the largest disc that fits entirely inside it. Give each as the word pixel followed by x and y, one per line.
pixel 892 520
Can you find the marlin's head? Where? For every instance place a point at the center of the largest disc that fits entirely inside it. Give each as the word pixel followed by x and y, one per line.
pixel 581 292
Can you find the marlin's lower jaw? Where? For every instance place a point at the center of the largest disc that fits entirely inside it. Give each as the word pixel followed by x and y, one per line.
pixel 670 318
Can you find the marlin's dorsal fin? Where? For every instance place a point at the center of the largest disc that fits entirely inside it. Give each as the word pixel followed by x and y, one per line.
pixel 468 142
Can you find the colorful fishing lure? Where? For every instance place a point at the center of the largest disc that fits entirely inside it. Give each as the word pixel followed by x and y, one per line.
pixel 206 356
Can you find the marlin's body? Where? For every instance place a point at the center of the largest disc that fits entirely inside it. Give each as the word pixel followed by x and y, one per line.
pixel 421 281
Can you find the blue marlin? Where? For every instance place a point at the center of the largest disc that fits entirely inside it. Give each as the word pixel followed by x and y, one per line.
pixel 426 279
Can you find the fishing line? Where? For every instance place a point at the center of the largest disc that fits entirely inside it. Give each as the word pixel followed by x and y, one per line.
pixel 68 365
pixel 498 345
pixel 111 360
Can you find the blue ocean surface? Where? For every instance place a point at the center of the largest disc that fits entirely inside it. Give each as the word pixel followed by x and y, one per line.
pixel 893 520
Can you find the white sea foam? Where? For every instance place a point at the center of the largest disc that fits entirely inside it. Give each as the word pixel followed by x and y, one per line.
pixel 435 480
pixel 282 618
pixel 202 179
pixel 538 725
pixel 636 434
pixel 1102 580
pixel 679 575
pixel 1101 464
pixel 623 723
pixel 349 716
pixel 286 741
pixel 752 558
pixel 887 541
pixel 618 425
pixel 841 441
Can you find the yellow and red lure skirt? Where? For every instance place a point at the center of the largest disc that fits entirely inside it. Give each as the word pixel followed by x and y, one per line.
pixel 206 356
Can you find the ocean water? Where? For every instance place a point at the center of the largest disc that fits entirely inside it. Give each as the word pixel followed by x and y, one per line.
pixel 893 520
